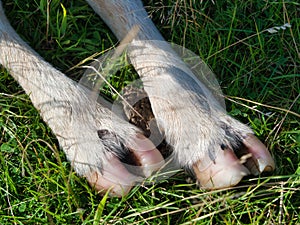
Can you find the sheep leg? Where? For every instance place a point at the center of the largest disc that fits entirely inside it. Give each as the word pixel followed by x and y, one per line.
pixel 85 130
pixel 218 148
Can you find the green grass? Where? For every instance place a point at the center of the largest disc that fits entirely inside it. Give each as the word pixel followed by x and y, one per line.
pixel 258 71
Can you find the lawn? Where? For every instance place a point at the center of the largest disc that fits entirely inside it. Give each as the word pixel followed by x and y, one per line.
pixel 258 69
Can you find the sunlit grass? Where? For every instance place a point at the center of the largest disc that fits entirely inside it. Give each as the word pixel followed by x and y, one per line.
pixel 258 72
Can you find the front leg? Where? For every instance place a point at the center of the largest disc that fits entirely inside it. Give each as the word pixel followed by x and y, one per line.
pixel 93 138
pixel 219 149
pixel 205 139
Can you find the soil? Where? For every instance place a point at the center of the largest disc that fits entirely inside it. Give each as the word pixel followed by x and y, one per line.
pixel 137 108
